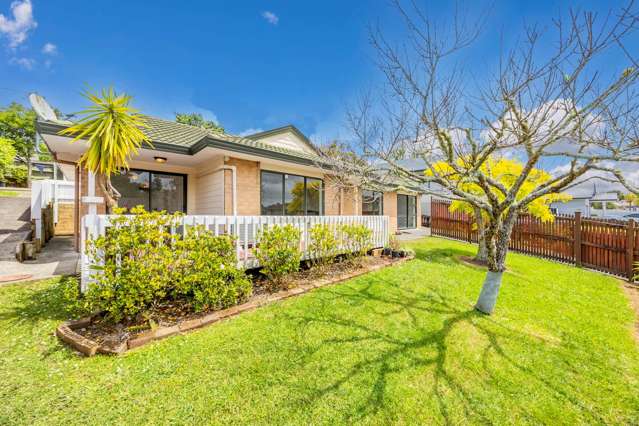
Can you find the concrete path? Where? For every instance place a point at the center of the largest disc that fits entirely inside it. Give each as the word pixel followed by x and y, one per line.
pixel 58 257
pixel 15 225
pixel 413 234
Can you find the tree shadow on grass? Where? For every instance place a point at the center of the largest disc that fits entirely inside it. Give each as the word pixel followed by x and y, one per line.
pixel 448 256
pixel 42 302
pixel 401 353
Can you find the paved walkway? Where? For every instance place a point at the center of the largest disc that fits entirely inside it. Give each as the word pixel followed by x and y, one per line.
pixel 413 234
pixel 56 258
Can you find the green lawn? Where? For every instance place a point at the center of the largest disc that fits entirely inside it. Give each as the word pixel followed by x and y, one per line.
pixel 402 345
pixel 5 193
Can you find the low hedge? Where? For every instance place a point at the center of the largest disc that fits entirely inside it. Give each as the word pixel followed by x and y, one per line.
pixel 145 265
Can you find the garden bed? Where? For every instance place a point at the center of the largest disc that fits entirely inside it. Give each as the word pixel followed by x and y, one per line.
pixel 93 335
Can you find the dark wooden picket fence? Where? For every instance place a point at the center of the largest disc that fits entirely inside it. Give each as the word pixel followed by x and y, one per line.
pixel 604 245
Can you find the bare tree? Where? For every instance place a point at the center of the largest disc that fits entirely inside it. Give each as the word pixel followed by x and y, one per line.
pixel 568 107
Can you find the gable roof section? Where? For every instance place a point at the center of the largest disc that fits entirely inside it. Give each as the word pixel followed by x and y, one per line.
pixel 179 138
pixel 283 130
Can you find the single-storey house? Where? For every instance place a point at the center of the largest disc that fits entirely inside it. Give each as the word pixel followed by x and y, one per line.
pixel 200 172
pixel 585 201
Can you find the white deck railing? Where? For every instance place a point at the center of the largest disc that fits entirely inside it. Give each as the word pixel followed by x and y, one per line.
pixel 244 228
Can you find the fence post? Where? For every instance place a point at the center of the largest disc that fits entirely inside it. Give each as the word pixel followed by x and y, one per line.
pixel 630 248
pixel 469 231
pixel 577 239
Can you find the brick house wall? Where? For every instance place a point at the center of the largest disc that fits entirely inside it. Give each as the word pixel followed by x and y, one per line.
pixel 248 187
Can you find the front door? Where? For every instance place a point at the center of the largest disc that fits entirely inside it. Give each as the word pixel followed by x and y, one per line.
pixel 406 211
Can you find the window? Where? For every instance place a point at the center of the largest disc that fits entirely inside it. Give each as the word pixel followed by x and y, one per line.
pixel 154 191
pixel 372 203
pixel 291 195
pixel 406 211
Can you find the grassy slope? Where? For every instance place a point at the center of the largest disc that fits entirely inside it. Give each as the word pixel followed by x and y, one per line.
pixel 402 345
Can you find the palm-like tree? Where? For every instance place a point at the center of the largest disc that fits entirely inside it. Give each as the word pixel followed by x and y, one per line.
pixel 114 132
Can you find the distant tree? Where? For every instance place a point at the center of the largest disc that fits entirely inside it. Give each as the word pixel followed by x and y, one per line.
pixel 113 130
pixel 7 156
pixel 196 119
pixel 17 124
pixel 633 199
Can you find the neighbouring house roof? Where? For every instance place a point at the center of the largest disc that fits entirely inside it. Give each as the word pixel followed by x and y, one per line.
pixel 179 138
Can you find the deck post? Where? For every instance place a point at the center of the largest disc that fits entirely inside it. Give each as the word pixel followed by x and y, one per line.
pixel 577 239
pixel 630 249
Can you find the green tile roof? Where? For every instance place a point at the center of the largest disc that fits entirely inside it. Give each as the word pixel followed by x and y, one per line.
pixel 173 133
pixel 171 136
pixel 170 132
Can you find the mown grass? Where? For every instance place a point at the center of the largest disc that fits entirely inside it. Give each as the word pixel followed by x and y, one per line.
pixel 402 345
pixel 5 193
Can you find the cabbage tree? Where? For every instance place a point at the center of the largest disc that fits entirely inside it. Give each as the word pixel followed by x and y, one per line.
pixel 114 133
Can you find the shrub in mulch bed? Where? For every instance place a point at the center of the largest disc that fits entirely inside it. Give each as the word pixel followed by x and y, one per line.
pixel 99 334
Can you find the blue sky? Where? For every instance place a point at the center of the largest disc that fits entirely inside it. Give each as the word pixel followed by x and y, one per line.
pixel 249 64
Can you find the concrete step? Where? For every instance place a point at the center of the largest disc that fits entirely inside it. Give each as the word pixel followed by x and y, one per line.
pixel 8 243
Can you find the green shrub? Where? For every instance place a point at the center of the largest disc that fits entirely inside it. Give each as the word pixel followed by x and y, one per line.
pixel 323 244
pixel 357 241
pixel 279 253
pixel 16 174
pixel 209 275
pixel 145 265
pixel 139 264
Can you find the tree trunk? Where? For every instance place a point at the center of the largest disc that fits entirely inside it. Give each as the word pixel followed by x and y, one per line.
pixel 111 194
pixel 482 250
pixel 497 239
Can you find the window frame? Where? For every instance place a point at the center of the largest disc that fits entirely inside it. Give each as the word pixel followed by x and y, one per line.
pixel 407 210
pixel 283 193
pixel 151 172
pixel 381 202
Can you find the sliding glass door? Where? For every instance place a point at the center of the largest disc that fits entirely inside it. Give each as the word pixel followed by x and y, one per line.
pixel 153 190
pixel 406 211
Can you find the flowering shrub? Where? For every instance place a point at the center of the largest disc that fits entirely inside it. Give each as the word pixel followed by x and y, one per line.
pixel 279 253
pixel 144 264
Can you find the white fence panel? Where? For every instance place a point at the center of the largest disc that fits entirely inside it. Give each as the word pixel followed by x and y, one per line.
pixel 245 229
pixel 48 191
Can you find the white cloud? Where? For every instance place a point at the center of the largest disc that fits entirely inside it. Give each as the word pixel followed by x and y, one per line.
pixel 17 28
pixel 50 49
pixel 250 131
pixel 586 184
pixel 270 17
pixel 26 63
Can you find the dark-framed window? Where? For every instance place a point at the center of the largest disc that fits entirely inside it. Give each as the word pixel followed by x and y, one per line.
pixel 290 195
pixel 154 190
pixel 372 203
pixel 406 211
